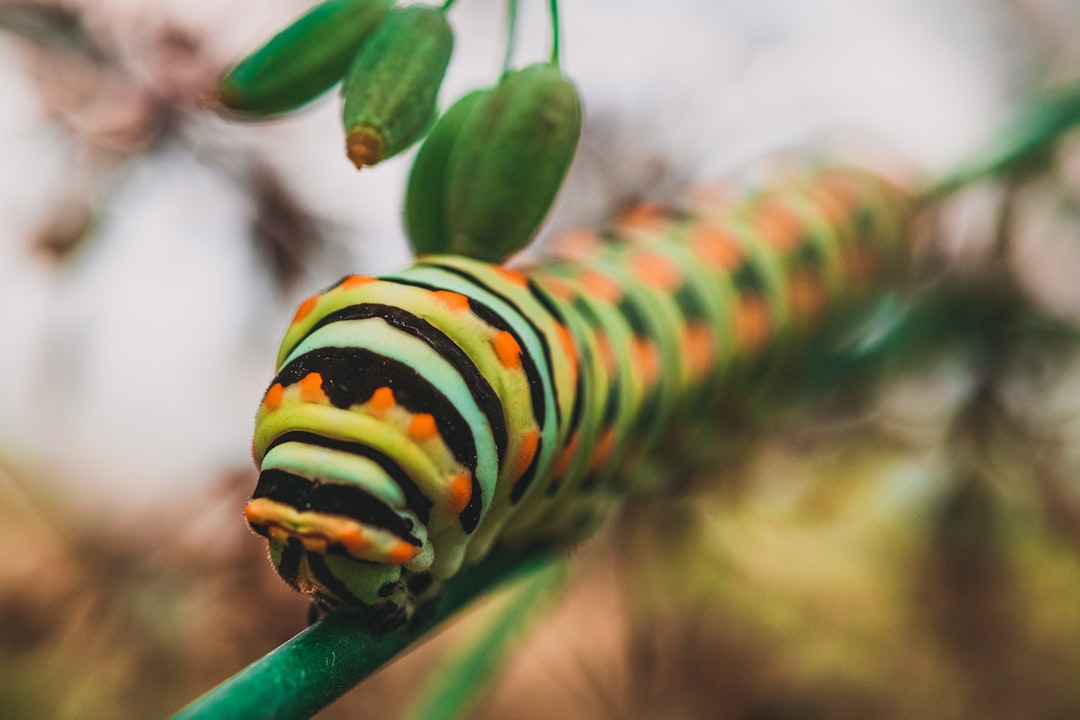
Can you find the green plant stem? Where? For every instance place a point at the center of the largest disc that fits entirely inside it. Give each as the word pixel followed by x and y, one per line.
pixel 447 4
pixel 317 666
pixel 511 34
pixel 1025 145
pixel 554 4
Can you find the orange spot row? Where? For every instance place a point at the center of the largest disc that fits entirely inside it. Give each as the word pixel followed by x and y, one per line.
pixel 604 446
pixel 715 247
pixel 567 342
pixel 697 347
pixel 600 286
pixel 507 349
pixel 382 400
pixel 840 185
pixel 305 309
pixel 355 281
pixel 559 288
pixel 569 348
pixel 401 553
pixel 422 427
pixel 452 300
pixel 644 216
pixel 328 530
pixel 607 355
pixel 575 245
pixel 257 512
pixel 655 270
pixel 778 226
pixel 752 323
pixel 646 360
pixel 311 389
pixel 354 539
pixel 831 206
pixel 566 456
pixel 512 276
pixel 460 492
pixel 272 400
pixel 530 441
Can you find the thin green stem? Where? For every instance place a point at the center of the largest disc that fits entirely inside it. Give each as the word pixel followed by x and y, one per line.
pixel 1026 144
pixel 322 663
pixel 446 4
pixel 468 672
pixel 511 34
pixel 554 4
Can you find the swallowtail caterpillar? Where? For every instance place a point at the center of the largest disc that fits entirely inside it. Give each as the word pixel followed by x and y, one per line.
pixel 419 418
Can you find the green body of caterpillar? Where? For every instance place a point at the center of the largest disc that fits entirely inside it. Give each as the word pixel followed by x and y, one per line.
pixel 419 418
pixel 508 162
pixel 302 61
pixel 425 194
pixel 391 88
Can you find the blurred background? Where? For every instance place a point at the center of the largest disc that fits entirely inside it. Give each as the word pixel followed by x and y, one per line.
pixel 841 563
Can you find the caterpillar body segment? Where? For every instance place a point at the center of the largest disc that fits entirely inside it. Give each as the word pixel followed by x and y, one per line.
pixel 418 419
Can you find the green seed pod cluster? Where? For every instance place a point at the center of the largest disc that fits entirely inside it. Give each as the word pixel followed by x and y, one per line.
pixel 489 172
pixel 425 208
pixel 391 87
pixel 302 61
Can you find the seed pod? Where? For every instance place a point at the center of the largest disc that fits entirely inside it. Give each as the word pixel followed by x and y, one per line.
pixel 509 160
pixel 391 87
pixel 425 194
pixel 302 61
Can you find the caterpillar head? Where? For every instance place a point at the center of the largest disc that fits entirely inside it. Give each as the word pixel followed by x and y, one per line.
pixel 339 526
pixel 368 483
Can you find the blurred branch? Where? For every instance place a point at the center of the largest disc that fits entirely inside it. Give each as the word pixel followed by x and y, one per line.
pixel 116 108
pixel 1024 146
pixel 51 25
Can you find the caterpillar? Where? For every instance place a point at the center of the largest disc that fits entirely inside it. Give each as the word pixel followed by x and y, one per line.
pixel 419 418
